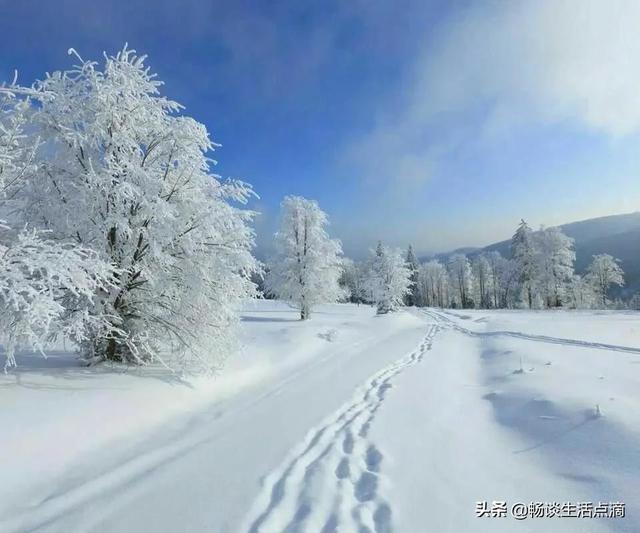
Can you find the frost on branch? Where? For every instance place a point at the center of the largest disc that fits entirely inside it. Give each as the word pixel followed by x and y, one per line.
pixel 307 265
pixel 603 272
pixel 121 172
pixel 40 281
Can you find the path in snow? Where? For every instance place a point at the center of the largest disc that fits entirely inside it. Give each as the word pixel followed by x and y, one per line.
pixel 446 321
pixel 333 479
pixel 202 471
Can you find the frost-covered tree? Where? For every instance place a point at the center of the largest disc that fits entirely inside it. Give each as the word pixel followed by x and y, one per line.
pixel 412 264
pixel 555 259
pixel 41 284
pixel 580 293
pixel 388 280
pixel 45 286
pixel 634 302
pixel 307 264
pixel 345 280
pixel 352 280
pixel 483 281
pixel 122 172
pixel 603 272
pixel 502 279
pixel 433 284
pixel 508 282
pixel 523 251
pixel 461 280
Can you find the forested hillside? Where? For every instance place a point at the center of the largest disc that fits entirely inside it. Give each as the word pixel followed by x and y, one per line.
pixel 616 235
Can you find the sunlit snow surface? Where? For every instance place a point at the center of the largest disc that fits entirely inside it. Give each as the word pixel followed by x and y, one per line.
pixel 347 422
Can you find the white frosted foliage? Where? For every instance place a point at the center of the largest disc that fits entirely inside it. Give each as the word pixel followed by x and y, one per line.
pixel 119 170
pixel 389 278
pixel 307 265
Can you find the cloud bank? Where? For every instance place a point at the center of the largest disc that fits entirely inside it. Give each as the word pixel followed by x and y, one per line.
pixel 499 66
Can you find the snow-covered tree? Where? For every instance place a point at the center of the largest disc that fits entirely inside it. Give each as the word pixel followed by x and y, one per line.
pixel 502 279
pixel 603 272
pixel 483 282
pixel 412 264
pixel 122 172
pixel 634 302
pixel 353 280
pixel 433 284
pixel 555 259
pixel 508 282
pixel 580 293
pixel 388 280
pixel 307 264
pixel 523 252
pixel 40 280
pixel 461 280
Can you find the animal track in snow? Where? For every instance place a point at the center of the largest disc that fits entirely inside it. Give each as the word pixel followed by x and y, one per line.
pixel 331 481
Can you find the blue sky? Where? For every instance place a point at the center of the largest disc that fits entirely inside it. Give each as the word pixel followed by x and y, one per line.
pixel 437 123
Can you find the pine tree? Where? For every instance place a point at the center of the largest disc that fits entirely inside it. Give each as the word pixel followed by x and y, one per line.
pixel 307 265
pixel 411 299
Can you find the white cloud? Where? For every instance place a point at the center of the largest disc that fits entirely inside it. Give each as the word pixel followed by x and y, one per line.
pixel 556 60
pixel 575 61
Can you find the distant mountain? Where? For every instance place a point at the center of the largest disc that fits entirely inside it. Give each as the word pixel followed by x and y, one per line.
pixel 617 235
pixel 469 251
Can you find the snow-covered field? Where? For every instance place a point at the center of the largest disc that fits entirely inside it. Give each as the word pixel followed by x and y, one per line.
pixel 347 422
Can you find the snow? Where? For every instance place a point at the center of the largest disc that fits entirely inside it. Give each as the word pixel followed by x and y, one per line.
pixel 500 435
pixel 348 422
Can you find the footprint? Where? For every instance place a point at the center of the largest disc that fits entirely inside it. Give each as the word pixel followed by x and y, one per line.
pixel 373 459
pixel 347 443
pixel 343 470
pixel 366 487
pixel 314 464
pixel 331 525
pixel 382 518
pixel 382 390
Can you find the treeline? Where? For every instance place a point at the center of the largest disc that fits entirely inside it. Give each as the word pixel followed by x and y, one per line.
pixel 540 274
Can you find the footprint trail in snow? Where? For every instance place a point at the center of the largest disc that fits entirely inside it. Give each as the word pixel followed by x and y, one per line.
pixel 331 482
